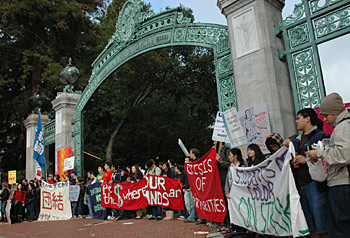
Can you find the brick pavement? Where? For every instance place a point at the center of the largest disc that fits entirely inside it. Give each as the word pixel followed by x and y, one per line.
pixel 99 228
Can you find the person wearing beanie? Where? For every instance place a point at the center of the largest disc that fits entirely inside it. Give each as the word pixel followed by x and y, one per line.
pixel 337 155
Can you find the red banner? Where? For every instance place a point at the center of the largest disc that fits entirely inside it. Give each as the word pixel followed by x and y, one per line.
pixel 328 128
pixel 152 190
pixel 203 176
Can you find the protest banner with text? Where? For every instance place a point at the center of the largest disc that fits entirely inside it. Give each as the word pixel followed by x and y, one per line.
pixel 54 202
pixel 152 190
pixel 264 198
pixel 203 176
pixel 94 191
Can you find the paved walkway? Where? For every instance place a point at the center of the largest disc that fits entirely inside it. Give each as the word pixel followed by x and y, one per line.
pixel 131 228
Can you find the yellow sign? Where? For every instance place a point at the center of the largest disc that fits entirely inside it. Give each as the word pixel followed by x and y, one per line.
pixel 12 177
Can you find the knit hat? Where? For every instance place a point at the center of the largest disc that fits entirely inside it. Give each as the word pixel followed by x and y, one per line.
pixel 332 104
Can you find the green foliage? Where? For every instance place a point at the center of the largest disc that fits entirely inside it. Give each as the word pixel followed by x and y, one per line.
pixel 182 104
pixel 36 39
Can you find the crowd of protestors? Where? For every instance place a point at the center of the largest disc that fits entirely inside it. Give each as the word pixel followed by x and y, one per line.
pixel 326 205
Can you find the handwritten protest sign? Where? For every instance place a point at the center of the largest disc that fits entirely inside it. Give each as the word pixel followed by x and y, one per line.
pixel 203 176
pixel 152 190
pixel 98 211
pixel 233 128
pixel 54 202
pixel 68 163
pixel 74 191
pixel 256 125
pixel 11 176
pixel 264 198
pixel 219 132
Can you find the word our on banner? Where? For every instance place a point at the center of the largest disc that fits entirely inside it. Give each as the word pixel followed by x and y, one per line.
pixel 54 202
pixel 203 176
pixel 234 128
pixel 264 198
pixel 219 132
pixel 11 176
pixel 74 191
pixel 152 190
pixel 94 191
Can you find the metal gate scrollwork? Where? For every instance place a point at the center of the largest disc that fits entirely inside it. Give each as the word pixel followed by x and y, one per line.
pixel 138 32
pixel 313 22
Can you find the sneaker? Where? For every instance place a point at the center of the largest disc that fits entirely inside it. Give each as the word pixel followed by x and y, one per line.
pixel 110 218
pixel 79 217
pixel 152 218
pixel 159 218
pixel 181 218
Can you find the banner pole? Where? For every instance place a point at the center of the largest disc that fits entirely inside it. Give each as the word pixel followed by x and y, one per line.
pixel 241 147
pixel 220 148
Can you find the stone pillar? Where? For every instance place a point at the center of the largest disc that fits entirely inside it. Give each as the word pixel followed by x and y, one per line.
pixel 64 105
pixel 30 124
pixel 259 74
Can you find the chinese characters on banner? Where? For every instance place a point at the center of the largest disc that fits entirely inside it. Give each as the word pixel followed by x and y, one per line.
pixel 152 190
pixel 203 176
pixel 264 198
pixel 54 202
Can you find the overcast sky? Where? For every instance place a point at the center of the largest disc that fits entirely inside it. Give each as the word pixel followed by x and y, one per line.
pixel 334 54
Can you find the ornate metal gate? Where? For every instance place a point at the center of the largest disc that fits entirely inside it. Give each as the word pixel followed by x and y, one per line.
pixel 138 32
pixel 312 22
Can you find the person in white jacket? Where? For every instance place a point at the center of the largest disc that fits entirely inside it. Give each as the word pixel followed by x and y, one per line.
pixel 337 156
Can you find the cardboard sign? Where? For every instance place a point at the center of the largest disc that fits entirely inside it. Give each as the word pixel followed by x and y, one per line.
pixel 12 177
pixel 69 163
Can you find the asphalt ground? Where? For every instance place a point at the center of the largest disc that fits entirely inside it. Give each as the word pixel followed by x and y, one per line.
pixel 86 227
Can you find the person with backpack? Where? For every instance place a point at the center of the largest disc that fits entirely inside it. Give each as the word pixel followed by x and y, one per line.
pixel 337 156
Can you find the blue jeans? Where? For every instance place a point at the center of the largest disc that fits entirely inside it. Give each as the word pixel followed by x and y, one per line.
pixel 157 211
pixel 31 212
pixel 89 205
pixel 190 205
pixel 3 209
pixel 314 205
pixel 339 211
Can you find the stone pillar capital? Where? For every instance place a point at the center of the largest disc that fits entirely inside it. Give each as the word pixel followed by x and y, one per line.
pixel 229 6
pixel 65 100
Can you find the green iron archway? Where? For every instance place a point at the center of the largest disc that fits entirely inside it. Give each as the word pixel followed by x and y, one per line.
pixel 138 32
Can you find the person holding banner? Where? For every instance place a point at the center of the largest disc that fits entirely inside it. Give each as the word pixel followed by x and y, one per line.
pixel 337 156
pixel 236 160
pixel 273 143
pixel 313 196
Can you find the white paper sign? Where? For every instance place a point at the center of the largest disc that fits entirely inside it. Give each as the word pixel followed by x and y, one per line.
pixel 234 128
pixel 74 191
pixel 54 202
pixel 68 163
pixel 256 125
pixel 264 198
pixel 219 133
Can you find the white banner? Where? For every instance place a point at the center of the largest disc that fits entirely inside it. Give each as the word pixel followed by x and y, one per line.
pixel 264 198
pixel 234 128
pixel 54 202
pixel 68 163
pixel 219 132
